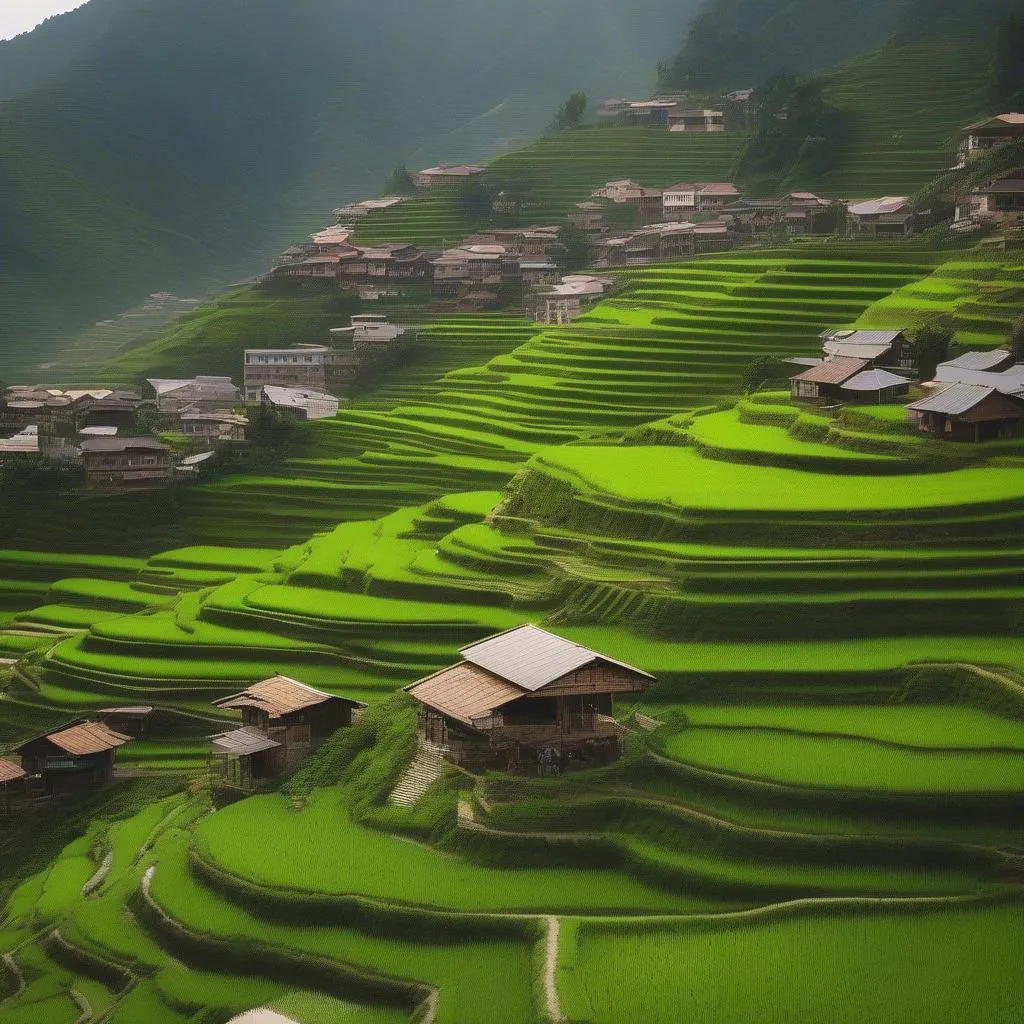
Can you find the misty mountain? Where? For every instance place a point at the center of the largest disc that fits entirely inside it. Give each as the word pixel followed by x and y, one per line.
pixel 178 144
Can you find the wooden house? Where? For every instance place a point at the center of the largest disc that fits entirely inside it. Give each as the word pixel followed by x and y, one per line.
pixel 991 133
pixel 301 366
pixel 11 776
pixel 223 425
pixel 826 379
pixel 970 412
pixel 446 175
pixel 696 121
pixel 128 462
pixel 886 347
pixel 526 700
pixel 129 720
pixel 200 394
pixel 283 722
pixel 887 217
pixel 78 756
pixel 1000 202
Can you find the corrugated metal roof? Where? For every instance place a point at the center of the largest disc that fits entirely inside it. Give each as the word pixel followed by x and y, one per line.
pixel 864 337
pixel 832 371
pixel 10 772
pixel 874 380
pixel 954 400
pixel 532 657
pixel 988 360
pixel 840 348
pixel 873 207
pixel 464 692
pixel 1009 381
pixel 280 695
pixel 87 738
pixel 243 741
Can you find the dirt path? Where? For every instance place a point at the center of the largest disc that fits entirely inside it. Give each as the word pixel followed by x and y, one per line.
pixel 551 1003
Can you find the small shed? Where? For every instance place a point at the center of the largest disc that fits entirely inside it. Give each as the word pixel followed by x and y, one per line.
pixel 77 756
pixel 283 721
pixel 827 378
pixel 970 412
pixel 131 721
pixel 526 700
pixel 876 386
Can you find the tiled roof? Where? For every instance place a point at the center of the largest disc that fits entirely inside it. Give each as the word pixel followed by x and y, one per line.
pixel 464 692
pixel 10 772
pixel 87 738
pixel 243 741
pixel 279 696
pixel 832 371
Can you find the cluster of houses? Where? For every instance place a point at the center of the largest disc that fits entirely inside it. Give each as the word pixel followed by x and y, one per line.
pixel 524 701
pixel 672 111
pixel 1000 200
pixel 110 435
pixel 978 396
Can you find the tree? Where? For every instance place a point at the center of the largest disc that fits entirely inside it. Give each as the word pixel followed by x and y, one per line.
pixel 832 220
pixel 399 182
pixel 1017 339
pixel 1008 70
pixel 570 114
pixel 762 370
pixel 931 345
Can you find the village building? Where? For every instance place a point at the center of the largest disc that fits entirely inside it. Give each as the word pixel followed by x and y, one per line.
pixel 654 113
pixel 991 133
pixel 1008 378
pixel 129 720
pixel 570 298
pixel 526 700
pixel 128 462
pixel 875 386
pixel 970 412
pixel 113 409
pixel 80 755
pixel 535 272
pixel 25 442
pixel 696 121
pixel 467 267
pixel 392 261
pixel 587 216
pixel 800 210
pixel 11 776
pixel 1000 202
pixel 315 267
pixel 370 332
pixel 201 394
pixel 889 216
pixel 446 175
pixel 333 241
pixel 625 192
pixel 685 199
pixel 989 360
pixel 825 380
pixel 739 95
pixel 612 109
pixel 658 242
pixel 211 427
pixel 300 403
pixel 534 241
pixel 283 722
pixel 301 366
pixel 891 347
pixel 356 211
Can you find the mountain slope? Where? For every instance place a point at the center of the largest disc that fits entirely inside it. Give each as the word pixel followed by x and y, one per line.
pixel 179 143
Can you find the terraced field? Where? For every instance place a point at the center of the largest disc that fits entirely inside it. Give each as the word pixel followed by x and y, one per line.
pixel 832 606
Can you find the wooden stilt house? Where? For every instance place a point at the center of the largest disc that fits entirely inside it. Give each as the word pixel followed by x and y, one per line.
pixel 526 700
pixel 11 775
pixel 283 722
pixel 76 757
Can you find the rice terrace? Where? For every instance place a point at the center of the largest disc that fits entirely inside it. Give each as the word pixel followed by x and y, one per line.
pixel 580 584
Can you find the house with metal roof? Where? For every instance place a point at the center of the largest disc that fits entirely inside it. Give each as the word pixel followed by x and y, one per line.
pixel 446 175
pixel 116 463
pixel 204 393
pixel 889 346
pixel 988 134
pixel 526 700
pixel 283 722
pixel 970 412
pixel 884 217
pixel 875 385
pixel 992 360
pixel 77 756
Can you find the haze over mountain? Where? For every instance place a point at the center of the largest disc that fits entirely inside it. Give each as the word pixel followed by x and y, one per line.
pixel 177 143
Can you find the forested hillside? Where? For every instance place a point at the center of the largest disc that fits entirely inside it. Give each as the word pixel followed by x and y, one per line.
pixel 176 143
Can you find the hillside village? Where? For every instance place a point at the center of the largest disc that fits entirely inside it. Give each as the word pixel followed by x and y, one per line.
pixel 100 435
pixel 579 586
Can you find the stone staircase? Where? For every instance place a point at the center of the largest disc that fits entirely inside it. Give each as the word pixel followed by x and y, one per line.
pixel 423 771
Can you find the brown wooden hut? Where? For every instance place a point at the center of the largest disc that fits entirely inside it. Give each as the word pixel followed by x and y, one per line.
pixel 970 412
pixel 10 775
pixel 283 721
pixel 826 380
pixel 78 756
pixel 526 700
